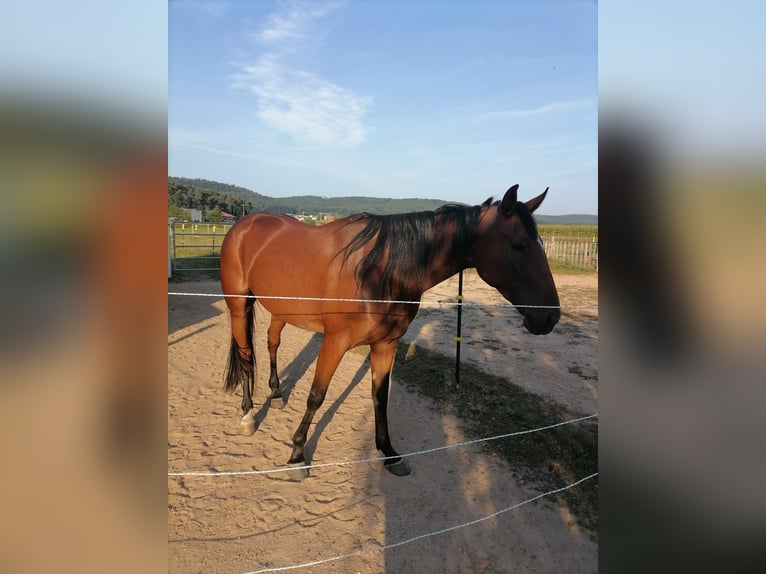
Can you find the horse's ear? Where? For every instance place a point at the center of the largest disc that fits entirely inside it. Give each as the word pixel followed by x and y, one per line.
pixel 533 204
pixel 509 201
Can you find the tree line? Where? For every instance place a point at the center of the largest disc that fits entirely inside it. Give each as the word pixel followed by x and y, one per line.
pixel 212 197
pixel 208 201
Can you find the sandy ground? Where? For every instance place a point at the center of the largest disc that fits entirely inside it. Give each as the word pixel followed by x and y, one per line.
pixel 254 522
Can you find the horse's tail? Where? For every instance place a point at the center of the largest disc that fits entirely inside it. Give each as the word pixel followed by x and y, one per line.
pixel 238 368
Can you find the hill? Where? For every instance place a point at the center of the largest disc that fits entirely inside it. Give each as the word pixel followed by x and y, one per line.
pixel 224 188
pixel 212 197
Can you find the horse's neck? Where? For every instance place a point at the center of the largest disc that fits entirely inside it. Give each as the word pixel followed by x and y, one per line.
pixel 435 278
pixel 454 258
pixel 446 264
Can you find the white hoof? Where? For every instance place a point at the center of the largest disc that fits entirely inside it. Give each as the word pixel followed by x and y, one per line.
pixel 299 471
pixel 247 424
pixel 277 403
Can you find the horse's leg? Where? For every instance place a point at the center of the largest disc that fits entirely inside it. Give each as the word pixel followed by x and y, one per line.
pixel 330 355
pixel 381 362
pixel 241 366
pixel 274 339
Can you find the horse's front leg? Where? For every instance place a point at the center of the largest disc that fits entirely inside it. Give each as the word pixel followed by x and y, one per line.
pixel 381 362
pixel 330 355
pixel 274 338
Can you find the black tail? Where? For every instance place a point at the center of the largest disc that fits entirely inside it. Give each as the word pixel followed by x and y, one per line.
pixel 240 370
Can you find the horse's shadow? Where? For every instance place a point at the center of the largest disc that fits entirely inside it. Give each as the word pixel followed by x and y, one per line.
pixel 292 373
pixel 290 376
pixel 311 444
pixel 297 368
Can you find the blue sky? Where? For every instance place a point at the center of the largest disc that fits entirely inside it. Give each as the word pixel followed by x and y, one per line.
pixel 453 100
pixel 691 69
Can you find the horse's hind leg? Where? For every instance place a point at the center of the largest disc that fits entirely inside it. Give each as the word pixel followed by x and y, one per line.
pixel 274 339
pixel 241 366
pixel 381 362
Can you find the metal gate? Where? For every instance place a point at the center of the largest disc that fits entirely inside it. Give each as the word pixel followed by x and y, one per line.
pixel 196 246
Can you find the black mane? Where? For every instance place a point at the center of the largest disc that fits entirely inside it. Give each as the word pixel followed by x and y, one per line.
pixel 413 241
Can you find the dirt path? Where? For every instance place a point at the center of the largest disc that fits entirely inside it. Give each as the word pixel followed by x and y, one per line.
pixel 561 366
pixel 246 523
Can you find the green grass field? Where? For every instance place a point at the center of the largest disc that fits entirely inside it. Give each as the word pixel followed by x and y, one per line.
pixel 197 248
pixel 569 232
pixel 192 228
pixel 198 240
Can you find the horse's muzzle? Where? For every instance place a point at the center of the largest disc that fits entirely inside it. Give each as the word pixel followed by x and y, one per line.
pixel 541 322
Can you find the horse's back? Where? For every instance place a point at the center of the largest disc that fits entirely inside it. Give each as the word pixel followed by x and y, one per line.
pixel 271 239
pixel 276 255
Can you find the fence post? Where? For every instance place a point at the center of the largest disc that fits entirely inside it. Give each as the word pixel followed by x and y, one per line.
pixel 459 326
pixel 175 254
pixel 170 270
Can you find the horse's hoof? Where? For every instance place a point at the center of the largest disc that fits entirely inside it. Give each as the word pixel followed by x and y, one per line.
pixel 277 403
pixel 400 468
pixel 299 471
pixel 247 424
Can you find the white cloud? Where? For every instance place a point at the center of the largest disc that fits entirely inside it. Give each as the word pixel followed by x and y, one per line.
pixel 286 30
pixel 281 30
pixel 203 141
pixel 305 105
pixel 545 109
pixel 298 102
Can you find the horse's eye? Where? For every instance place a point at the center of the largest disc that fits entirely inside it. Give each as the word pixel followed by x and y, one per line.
pixel 520 248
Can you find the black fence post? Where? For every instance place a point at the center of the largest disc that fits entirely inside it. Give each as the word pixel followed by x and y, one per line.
pixel 459 326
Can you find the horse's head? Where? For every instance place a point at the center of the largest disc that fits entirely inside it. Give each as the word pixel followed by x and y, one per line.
pixel 509 255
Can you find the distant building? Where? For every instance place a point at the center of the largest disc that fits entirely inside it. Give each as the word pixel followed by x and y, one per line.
pixel 228 217
pixel 195 215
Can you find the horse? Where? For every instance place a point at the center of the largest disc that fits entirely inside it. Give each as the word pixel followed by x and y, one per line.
pixel 359 281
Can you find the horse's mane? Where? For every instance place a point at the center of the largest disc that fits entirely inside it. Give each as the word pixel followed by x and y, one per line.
pixel 411 242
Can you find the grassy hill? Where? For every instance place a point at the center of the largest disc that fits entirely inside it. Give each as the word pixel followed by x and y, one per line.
pixel 211 197
pixel 223 188
pixel 205 194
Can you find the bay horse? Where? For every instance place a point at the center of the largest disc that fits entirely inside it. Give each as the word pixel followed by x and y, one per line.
pixel 351 280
